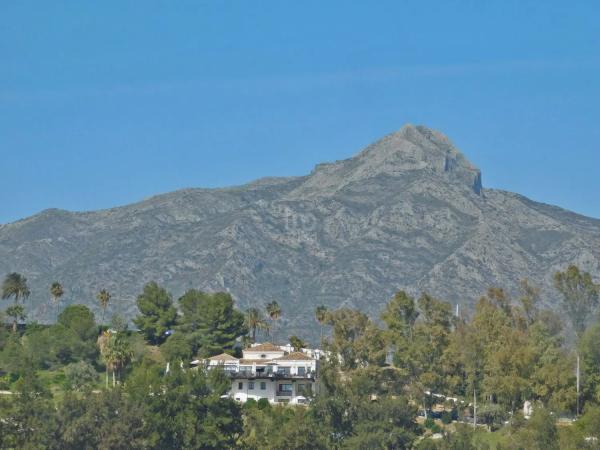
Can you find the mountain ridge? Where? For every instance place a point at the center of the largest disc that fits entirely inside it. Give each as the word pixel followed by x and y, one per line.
pixel 407 212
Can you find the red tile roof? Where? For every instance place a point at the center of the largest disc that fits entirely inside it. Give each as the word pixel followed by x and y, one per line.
pixel 222 357
pixel 294 356
pixel 266 347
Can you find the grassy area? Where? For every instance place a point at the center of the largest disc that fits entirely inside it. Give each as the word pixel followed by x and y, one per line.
pixel 483 438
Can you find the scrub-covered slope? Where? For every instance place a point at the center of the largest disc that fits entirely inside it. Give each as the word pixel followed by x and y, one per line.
pixel 408 212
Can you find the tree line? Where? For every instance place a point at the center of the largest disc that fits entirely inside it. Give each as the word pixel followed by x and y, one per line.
pixel 82 384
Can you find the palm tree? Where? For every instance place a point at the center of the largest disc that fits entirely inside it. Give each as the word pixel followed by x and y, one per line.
pixel 15 285
pixel 120 354
pixel 103 297
pixel 274 312
pixel 17 312
pixel 116 352
pixel 57 291
pixel 254 321
pixel 321 316
pixel 102 343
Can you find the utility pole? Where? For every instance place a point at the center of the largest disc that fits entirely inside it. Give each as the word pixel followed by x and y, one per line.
pixel 474 408
pixel 577 410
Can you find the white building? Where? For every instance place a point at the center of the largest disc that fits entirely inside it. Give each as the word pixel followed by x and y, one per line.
pixel 269 371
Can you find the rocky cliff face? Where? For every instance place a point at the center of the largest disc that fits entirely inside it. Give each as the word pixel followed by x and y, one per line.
pixel 408 212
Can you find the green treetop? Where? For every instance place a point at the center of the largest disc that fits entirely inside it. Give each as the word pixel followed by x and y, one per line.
pixel 15 286
pixel 103 298
pixel 56 291
pixel 580 296
pixel 80 319
pixel 254 321
pixel 211 321
pixel 355 338
pixel 157 313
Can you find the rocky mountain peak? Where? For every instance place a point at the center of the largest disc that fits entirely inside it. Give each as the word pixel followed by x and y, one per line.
pixel 420 148
pixel 401 214
pixel 412 148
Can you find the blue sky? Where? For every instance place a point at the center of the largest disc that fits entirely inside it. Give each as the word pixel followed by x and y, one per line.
pixel 105 103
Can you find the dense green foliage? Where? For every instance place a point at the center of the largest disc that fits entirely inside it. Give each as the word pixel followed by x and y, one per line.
pixel 103 298
pixel 254 321
pixel 73 388
pixel 15 286
pixel 157 313
pixel 580 296
pixel 210 321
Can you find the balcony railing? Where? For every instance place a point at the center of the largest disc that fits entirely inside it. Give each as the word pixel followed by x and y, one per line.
pixel 272 375
pixel 284 393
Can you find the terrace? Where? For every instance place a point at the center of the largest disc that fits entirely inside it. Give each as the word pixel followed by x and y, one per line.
pixel 270 374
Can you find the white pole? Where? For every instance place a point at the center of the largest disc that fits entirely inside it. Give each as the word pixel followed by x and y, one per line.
pixel 474 408
pixel 577 411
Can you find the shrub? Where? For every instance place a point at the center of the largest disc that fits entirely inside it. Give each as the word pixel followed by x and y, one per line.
pixel 263 403
pixel 176 348
pixel 436 428
pixel 80 375
pixel 429 423
pixel 454 414
pixel 446 417
pixel 427 444
pixel 6 381
pixel 250 404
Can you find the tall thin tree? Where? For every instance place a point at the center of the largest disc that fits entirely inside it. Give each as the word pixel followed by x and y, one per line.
pixel 580 296
pixel 116 352
pixel 15 286
pixel 274 313
pixel 104 298
pixel 254 321
pixel 580 300
pixel 57 291
pixel 321 316
pixel 103 346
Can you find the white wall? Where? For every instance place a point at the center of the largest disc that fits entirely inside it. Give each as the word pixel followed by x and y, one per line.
pixel 256 393
pixel 269 393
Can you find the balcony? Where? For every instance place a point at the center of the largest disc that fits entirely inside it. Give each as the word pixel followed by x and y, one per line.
pixel 301 376
pixel 283 393
pixel 309 375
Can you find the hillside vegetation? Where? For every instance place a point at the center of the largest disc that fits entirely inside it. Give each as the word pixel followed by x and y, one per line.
pixel 408 381
pixel 409 212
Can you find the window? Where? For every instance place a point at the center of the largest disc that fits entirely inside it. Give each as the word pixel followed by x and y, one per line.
pixel 283 370
pixel 251 385
pixel 263 386
pixel 285 387
pixel 301 370
pixel 240 385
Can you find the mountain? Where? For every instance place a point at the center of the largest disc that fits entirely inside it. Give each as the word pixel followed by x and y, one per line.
pixel 408 212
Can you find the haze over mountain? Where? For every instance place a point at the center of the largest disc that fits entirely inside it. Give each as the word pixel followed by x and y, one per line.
pixel 408 212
